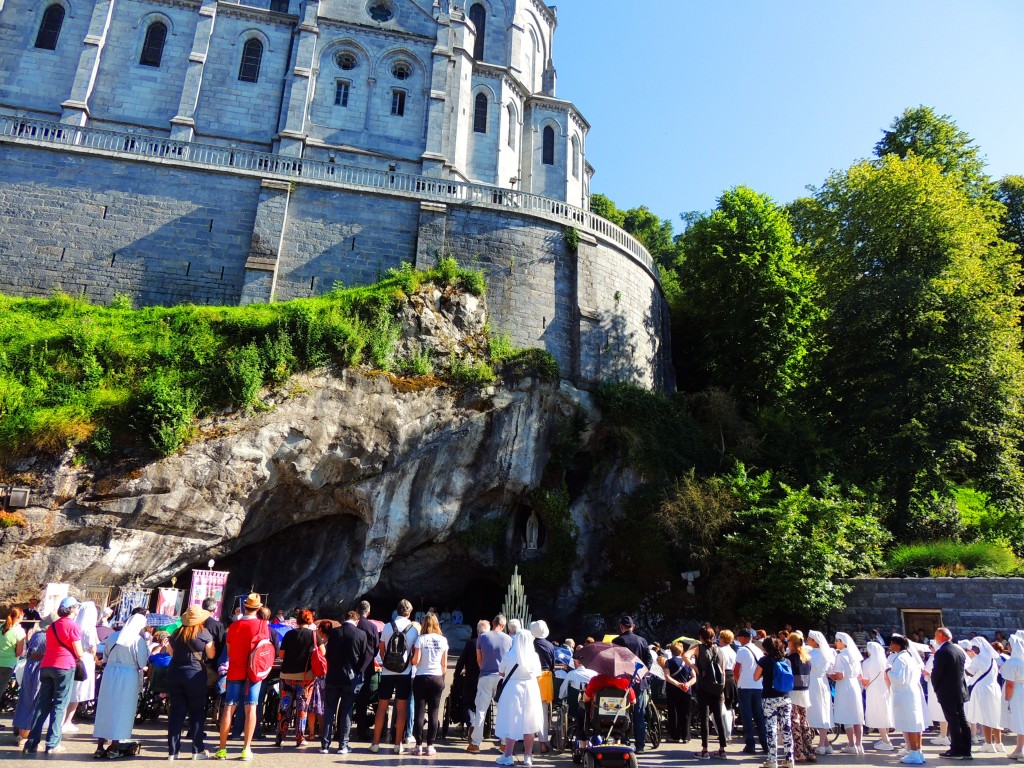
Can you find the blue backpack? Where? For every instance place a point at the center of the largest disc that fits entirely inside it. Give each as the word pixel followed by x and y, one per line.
pixel 782 676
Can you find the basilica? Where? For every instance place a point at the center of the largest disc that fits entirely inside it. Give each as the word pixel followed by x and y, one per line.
pixel 460 90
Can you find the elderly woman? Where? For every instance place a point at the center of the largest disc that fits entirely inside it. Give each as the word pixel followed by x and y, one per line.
pixel 877 696
pixel 848 709
pixel 126 656
pixel 56 677
pixel 1013 690
pixel 983 706
pixel 819 711
pixel 519 708
pixel 34 650
pixel 191 647
pixel 85 690
pixel 907 696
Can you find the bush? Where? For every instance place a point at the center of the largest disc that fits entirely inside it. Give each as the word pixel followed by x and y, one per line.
pixel 165 412
pixel 243 374
pixel 469 373
pixel 951 558
pixel 419 363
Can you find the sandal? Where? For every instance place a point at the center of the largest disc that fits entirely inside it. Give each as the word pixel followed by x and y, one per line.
pixel 99 754
pixel 720 753
pixel 702 755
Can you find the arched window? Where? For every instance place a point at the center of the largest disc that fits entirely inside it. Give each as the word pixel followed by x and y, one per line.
pixel 153 46
pixel 480 113
pixel 252 55
pixel 478 15
pixel 513 125
pixel 575 157
pixel 49 28
pixel 548 150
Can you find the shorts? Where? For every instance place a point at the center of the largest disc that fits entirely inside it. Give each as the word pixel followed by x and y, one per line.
pixel 398 685
pixel 242 692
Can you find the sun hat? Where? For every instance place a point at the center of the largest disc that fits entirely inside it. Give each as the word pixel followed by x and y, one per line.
pixel 539 629
pixel 194 615
pixel 253 602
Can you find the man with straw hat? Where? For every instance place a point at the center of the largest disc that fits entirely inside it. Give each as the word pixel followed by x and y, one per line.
pixel 242 637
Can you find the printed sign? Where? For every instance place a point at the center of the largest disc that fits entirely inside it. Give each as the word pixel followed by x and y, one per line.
pixel 208 584
pixel 168 601
pixel 52 597
pixel 130 600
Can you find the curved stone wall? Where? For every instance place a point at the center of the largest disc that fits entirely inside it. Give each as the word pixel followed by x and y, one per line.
pixel 95 213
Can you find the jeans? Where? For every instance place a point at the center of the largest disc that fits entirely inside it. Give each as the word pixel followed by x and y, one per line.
pixel 338 701
pixel 484 695
pixel 751 712
pixel 428 690
pixel 640 720
pixel 52 700
pixel 778 713
pixel 186 691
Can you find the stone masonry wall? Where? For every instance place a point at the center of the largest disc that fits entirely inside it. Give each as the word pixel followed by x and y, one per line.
pixel 968 605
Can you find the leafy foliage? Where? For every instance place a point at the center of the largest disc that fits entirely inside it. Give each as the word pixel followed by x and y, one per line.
pixel 953 558
pixel 1010 192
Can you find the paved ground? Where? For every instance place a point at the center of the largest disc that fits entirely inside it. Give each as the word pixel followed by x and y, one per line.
pixel 450 753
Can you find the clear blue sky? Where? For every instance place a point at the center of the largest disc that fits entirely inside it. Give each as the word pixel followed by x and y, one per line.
pixel 687 98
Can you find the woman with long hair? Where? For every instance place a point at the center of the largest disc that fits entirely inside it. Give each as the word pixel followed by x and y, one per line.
pixel 125 656
pixel 800 697
pixel 706 658
pixel 877 696
pixel 519 708
pixel 191 647
pixel 430 658
pixel 907 696
pixel 819 712
pixel 848 709
pixel 12 645
pixel 85 690
pixel 297 678
pixel 778 709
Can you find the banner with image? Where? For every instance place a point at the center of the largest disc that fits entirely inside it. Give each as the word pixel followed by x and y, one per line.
pixel 129 600
pixel 209 584
pixel 168 601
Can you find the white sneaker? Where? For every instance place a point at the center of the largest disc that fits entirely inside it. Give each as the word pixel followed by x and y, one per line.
pixel 70 728
pixel 940 741
pixel 849 749
pixel 398 749
pixel 430 751
pixel 343 750
pixel 823 750
pixel 410 740
pixel 375 748
pixel 204 755
pixel 528 760
pixel 884 746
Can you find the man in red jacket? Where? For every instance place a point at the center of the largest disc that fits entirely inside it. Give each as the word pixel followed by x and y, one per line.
pixel 242 637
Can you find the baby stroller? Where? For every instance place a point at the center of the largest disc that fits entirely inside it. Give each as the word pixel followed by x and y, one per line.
pixel 607 722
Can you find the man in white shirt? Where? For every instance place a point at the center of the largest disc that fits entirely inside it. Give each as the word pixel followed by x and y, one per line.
pixel 749 691
pixel 393 681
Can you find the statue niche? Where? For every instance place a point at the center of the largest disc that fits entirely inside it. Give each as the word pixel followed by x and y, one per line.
pixel 531 532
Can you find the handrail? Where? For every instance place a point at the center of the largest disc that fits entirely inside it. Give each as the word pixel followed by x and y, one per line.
pixel 268 164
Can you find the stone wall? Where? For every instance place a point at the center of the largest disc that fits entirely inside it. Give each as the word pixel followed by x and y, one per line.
pixel 95 226
pixel 968 605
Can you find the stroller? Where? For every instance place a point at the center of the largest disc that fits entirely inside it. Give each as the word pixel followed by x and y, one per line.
pixel 605 725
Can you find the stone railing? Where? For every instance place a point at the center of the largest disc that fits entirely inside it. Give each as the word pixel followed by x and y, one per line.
pixel 22 130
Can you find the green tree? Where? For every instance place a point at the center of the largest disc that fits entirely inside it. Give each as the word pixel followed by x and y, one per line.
pixel 920 370
pixel 603 206
pixel 921 132
pixel 656 234
pixel 746 309
pixel 1010 192
pixel 795 546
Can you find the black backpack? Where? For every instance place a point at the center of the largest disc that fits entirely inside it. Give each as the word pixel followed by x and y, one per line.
pixel 709 664
pixel 396 658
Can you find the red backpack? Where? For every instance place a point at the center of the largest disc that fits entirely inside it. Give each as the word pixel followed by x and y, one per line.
pixel 261 657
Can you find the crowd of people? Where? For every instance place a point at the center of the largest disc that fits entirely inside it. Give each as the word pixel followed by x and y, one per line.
pixel 789 690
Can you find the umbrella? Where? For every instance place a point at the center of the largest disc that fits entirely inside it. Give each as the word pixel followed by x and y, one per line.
pixel 687 641
pixel 611 660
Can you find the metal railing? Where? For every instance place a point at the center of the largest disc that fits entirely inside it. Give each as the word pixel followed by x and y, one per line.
pixel 267 164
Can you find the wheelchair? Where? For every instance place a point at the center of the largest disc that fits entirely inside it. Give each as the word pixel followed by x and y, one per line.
pixel 606 723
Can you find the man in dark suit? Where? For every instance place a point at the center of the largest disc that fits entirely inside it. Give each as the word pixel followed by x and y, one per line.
pixel 950 686
pixel 638 645
pixel 346 664
pixel 368 693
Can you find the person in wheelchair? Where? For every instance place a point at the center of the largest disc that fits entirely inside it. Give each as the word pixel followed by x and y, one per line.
pixel 608 703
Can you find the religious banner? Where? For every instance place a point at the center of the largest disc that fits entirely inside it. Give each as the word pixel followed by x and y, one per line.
pixel 51 598
pixel 158 620
pixel 129 600
pixel 98 595
pixel 208 584
pixel 168 601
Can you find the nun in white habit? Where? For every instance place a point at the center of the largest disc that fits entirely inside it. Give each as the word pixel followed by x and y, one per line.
pixel 934 710
pixel 983 706
pixel 1013 691
pixel 907 696
pixel 848 709
pixel 127 654
pixel 878 697
pixel 819 713
pixel 88 616
pixel 519 708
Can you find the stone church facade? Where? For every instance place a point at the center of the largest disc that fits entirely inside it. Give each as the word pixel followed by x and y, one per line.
pixel 223 152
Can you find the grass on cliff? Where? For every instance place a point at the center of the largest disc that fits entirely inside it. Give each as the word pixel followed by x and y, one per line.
pixel 73 373
pixel 953 558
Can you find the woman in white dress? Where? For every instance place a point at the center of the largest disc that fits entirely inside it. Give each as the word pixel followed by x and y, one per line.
pixel 126 655
pixel 1013 691
pixel 85 690
pixel 848 709
pixel 907 697
pixel 519 708
pixel 819 713
pixel 878 697
pixel 934 711
pixel 983 707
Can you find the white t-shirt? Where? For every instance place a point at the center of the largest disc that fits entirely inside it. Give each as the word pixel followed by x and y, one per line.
pixel 747 657
pixel 433 649
pixel 728 656
pixel 403 625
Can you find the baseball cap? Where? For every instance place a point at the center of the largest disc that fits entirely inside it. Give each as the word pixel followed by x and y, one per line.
pixel 747 632
pixel 68 603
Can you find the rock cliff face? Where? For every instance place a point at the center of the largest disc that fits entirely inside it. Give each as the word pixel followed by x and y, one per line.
pixel 354 482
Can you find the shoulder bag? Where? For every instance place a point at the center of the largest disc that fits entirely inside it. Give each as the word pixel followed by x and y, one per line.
pixel 503 682
pixel 81 674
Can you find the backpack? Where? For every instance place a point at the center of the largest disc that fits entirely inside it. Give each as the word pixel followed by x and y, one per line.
pixel 782 676
pixel 396 658
pixel 317 661
pixel 261 657
pixel 709 665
